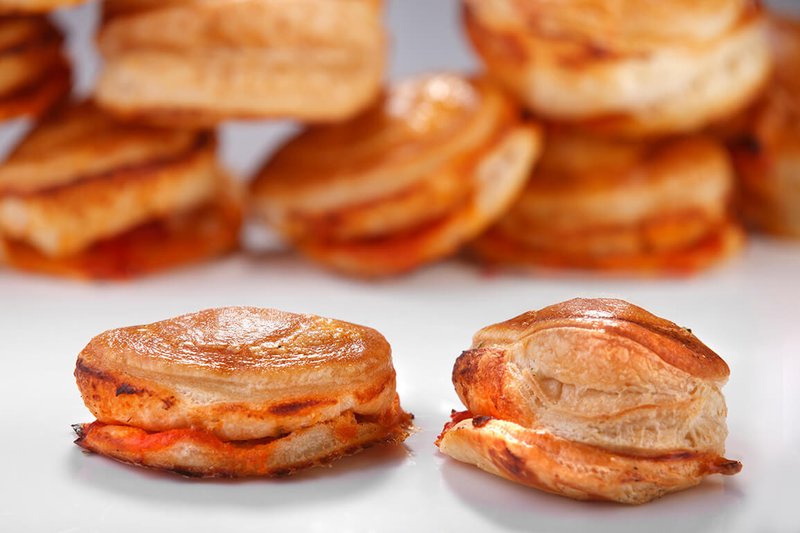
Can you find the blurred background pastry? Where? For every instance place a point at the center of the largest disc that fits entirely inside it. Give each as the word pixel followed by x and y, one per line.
pixel 593 399
pixel 34 72
pixel 626 68
pixel 766 142
pixel 238 391
pixel 85 196
pixel 633 206
pixel 34 6
pixel 430 166
pixel 198 62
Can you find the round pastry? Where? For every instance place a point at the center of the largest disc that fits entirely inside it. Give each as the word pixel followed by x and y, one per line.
pixel 767 152
pixel 196 63
pixel 591 399
pixel 633 206
pixel 633 67
pixel 34 74
pixel 238 391
pixel 405 184
pixel 84 196
pixel 34 6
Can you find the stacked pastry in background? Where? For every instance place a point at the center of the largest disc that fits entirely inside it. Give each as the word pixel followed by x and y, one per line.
pixel 627 183
pixel 15 7
pixel 34 73
pixel 196 62
pixel 765 142
pixel 128 184
pixel 410 181
pixel 85 196
pixel 618 98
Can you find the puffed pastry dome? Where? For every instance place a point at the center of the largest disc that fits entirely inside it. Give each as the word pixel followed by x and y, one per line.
pixel 630 67
pixel 34 6
pixel 660 207
pixel 87 197
pixel 198 62
pixel 767 152
pixel 238 391
pixel 34 73
pixel 435 162
pixel 593 400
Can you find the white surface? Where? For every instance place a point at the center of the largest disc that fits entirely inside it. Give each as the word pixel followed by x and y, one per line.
pixel 747 311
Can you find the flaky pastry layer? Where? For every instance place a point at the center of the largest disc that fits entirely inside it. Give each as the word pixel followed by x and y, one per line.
pixel 620 205
pixel 624 68
pixel 240 59
pixel 177 240
pixel 34 73
pixel 539 459
pixel 591 399
pixel 238 373
pixel 194 452
pixel 8 7
pixel 80 178
pixel 404 184
pixel 766 151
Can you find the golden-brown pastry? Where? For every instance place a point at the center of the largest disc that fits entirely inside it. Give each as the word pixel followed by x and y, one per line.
pixel 34 74
pixel 34 6
pixel 404 184
pixel 591 399
pixel 238 391
pixel 631 67
pixel 197 62
pixel 85 196
pixel 766 152
pixel 633 206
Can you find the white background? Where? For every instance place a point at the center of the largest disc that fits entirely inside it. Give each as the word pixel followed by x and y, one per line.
pixel 746 310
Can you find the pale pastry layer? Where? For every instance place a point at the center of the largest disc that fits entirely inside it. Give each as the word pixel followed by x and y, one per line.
pixel 219 60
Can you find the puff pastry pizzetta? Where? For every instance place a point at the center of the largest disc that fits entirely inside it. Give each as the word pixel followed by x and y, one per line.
pixel 238 391
pixel 34 73
pixel 591 399
pixel 404 184
pixel 198 62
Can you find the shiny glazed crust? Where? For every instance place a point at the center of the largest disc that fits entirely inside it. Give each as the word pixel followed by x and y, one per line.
pixel 593 399
pixel 240 59
pixel 404 184
pixel 635 206
pixel 630 68
pixel 238 392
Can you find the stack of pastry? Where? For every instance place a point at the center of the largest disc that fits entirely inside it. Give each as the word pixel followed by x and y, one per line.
pixel 626 182
pixel 88 197
pixel 129 184
pixel 593 399
pixel 196 62
pixel 34 6
pixel 34 73
pixel 408 182
pixel 765 142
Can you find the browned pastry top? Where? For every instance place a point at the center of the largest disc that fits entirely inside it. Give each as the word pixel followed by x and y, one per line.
pixel 420 123
pixel 243 342
pixel 675 345
pixel 621 26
